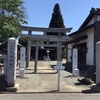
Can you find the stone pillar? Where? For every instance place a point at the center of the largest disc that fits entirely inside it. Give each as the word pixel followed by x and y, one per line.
pixel 48 58
pixel 28 53
pixel 75 69
pixel 96 87
pixel 36 57
pixel 22 61
pixel 12 62
pixel 5 65
pixel 98 63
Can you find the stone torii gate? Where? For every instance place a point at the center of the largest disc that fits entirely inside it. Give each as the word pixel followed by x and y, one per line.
pixel 58 40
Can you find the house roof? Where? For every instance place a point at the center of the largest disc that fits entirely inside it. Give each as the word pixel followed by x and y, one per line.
pixel 93 11
pixel 77 39
pixel 82 29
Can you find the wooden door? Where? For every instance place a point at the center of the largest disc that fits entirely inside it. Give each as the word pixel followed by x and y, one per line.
pixel 82 53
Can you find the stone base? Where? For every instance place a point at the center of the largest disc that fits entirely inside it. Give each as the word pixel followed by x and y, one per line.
pixel 95 88
pixel 12 89
pixel 76 72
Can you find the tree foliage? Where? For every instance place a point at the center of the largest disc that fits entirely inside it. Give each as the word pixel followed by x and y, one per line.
pixel 12 14
pixel 56 20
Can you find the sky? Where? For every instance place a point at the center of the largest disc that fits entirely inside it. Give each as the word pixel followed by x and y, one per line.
pixel 74 12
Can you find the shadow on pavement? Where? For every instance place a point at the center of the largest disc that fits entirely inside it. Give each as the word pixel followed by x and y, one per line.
pixel 89 91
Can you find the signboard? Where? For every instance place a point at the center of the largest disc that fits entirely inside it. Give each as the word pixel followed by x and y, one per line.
pixel 59 66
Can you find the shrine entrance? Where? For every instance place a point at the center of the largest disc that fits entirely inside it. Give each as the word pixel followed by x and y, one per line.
pixel 57 41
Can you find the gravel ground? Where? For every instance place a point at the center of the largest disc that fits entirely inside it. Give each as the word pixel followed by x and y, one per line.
pixel 46 79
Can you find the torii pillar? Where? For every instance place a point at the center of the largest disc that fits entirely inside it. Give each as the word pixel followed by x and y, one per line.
pixel 36 57
pixel 28 50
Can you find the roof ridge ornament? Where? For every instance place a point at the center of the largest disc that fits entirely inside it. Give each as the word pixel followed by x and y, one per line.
pixel 94 10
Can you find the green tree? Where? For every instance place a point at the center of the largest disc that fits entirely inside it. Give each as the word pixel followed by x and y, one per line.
pixel 56 20
pixel 12 14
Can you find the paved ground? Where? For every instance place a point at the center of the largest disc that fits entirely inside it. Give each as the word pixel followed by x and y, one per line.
pixel 46 79
pixel 50 96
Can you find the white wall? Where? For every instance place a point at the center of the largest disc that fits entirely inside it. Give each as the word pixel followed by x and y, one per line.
pixel 98 18
pixel 94 19
pixel 90 46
